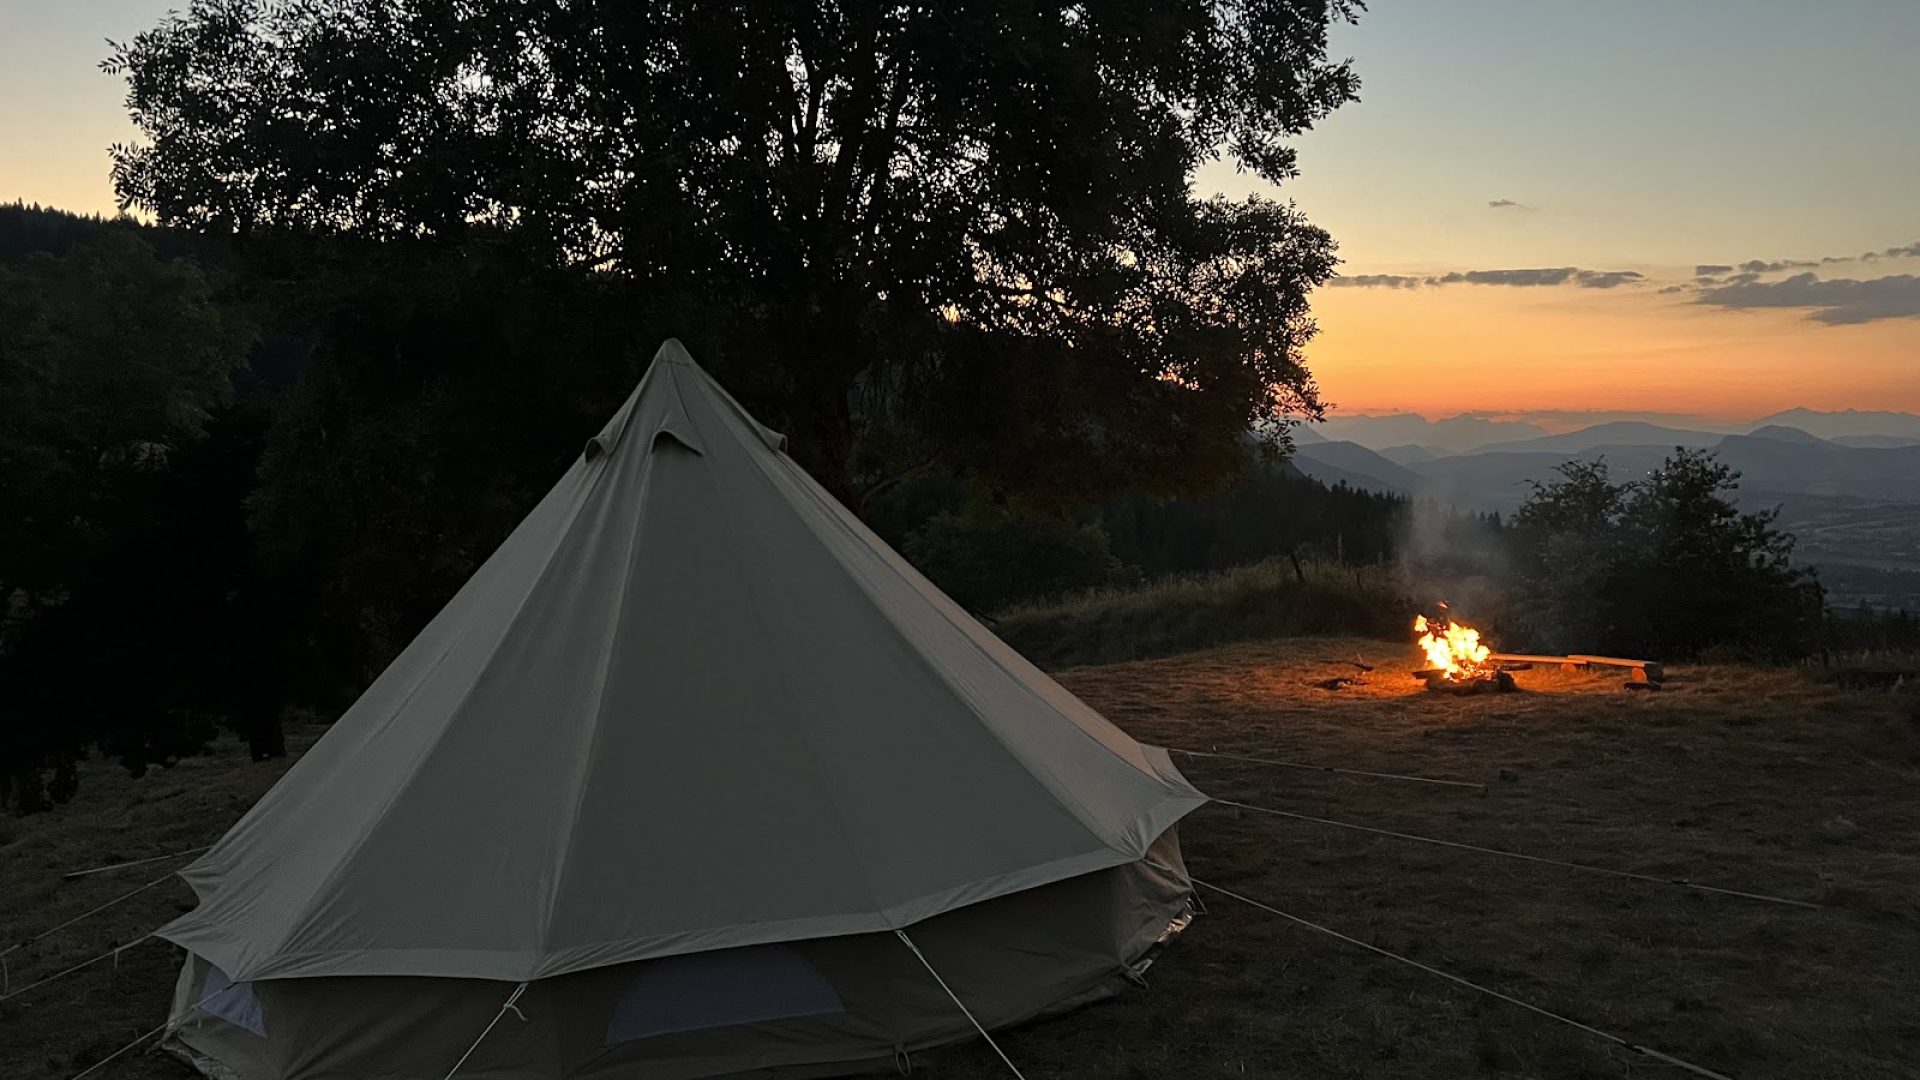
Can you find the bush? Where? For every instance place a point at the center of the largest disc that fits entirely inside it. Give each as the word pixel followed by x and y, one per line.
pixel 1663 568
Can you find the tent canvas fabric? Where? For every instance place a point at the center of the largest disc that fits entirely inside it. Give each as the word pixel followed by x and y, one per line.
pixel 691 705
pixel 757 1011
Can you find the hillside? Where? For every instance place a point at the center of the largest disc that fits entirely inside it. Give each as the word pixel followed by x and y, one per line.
pixel 1469 433
pixel 1456 434
pixel 1618 433
pixel 1783 433
pixel 1497 480
pixel 1764 780
pixel 1341 461
pixel 1847 422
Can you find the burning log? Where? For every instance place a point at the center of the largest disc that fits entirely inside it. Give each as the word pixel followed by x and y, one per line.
pixel 1496 682
pixel 1456 660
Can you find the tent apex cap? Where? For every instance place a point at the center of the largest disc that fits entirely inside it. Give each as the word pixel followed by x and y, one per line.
pixel 672 352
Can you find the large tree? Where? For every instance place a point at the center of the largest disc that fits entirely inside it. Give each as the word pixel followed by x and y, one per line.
pixel 960 231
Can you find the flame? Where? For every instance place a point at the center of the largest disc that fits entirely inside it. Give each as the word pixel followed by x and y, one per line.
pixel 1452 646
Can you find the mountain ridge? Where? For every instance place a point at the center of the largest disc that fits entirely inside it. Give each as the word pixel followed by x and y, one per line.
pixel 1468 433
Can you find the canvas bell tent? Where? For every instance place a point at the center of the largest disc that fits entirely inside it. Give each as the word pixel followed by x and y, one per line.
pixel 672 768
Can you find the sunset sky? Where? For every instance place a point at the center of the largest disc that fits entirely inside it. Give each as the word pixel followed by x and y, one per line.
pixel 1540 154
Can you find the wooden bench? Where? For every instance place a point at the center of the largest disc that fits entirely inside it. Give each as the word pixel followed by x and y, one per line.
pixel 1569 663
pixel 1644 670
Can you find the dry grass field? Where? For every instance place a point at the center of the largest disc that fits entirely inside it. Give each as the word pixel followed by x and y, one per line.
pixel 1772 781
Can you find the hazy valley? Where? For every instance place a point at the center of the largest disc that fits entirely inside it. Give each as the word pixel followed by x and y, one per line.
pixel 1846 483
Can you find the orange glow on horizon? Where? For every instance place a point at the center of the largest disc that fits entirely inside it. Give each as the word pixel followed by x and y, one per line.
pixel 1511 350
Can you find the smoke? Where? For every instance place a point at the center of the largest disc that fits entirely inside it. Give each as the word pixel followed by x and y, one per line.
pixel 1461 557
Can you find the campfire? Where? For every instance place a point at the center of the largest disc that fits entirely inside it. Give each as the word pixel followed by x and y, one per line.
pixel 1459 662
pixel 1456 659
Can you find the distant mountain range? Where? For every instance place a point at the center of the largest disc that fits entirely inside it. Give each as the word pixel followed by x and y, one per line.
pixel 1852 497
pixel 1407 437
pixel 1617 433
pixel 1850 423
pixel 1775 459
pixel 1457 434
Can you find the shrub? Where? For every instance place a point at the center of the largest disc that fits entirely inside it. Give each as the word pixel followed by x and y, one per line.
pixel 1664 567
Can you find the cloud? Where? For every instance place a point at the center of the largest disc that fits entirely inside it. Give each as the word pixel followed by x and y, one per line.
pixel 1758 266
pixel 1607 279
pixel 1774 266
pixel 1377 281
pixel 1729 286
pixel 1557 275
pixel 1552 275
pixel 1838 302
pixel 1507 204
pixel 1904 251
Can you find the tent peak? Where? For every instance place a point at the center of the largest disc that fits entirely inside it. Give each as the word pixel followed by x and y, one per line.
pixel 672 352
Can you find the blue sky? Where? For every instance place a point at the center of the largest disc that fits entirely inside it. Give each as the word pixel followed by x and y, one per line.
pixel 1638 133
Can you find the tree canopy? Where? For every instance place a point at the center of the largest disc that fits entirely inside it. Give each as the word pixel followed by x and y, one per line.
pixel 110 360
pixel 1661 567
pixel 959 232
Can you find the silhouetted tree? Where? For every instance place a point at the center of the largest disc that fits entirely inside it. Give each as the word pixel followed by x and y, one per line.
pixel 967 223
pixel 110 360
pixel 1663 567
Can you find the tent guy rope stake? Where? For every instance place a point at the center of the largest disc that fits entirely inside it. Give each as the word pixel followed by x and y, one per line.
pixel 1644 1051
pixel 1562 863
pixel 968 1013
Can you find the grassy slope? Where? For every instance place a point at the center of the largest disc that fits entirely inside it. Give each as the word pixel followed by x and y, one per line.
pixel 1763 780
pixel 61 1028
pixel 1265 600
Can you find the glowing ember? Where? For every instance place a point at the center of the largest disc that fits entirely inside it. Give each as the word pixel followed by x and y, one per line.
pixel 1453 647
